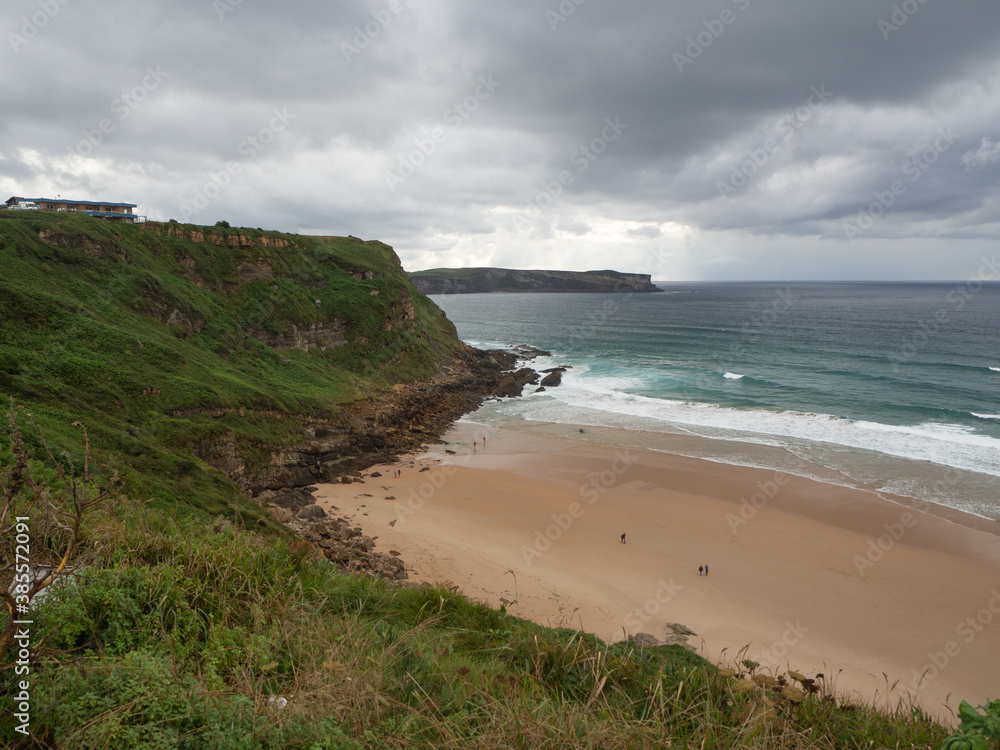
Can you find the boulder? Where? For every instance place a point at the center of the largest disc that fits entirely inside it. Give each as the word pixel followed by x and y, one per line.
pixel 293 499
pixel 552 379
pixel 676 627
pixel 310 513
pixel 509 387
pixel 514 382
pixel 526 352
pixel 644 640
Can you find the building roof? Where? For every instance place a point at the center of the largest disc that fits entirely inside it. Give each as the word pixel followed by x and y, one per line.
pixel 75 203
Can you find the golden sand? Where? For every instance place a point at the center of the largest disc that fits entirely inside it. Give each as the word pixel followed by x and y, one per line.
pixel 888 600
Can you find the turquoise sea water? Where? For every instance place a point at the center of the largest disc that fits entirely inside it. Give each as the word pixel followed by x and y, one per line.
pixel 892 387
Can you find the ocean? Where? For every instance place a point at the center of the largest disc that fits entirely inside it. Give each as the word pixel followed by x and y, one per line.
pixel 893 388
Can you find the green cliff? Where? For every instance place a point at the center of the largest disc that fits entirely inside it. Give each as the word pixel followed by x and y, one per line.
pixel 198 356
pixel 212 364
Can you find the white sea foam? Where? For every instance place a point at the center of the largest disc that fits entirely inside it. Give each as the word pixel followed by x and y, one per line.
pixel 985 416
pixel 604 402
pixel 733 376
pixel 995 369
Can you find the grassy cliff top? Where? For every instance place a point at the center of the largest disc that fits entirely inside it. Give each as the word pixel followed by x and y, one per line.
pixel 176 633
pixel 154 337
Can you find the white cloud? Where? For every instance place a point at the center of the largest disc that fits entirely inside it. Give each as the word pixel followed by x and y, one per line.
pixel 987 153
pixel 654 188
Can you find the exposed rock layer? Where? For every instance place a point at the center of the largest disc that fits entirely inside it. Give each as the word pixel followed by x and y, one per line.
pixel 370 431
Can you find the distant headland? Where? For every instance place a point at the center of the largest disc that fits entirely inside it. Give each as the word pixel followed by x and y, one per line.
pixel 479 280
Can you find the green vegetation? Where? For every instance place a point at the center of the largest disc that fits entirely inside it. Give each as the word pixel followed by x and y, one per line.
pixel 175 629
pixel 451 280
pixel 153 341
pixel 175 636
pixel 976 730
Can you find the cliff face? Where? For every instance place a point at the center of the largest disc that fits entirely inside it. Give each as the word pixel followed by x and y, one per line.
pixel 481 280
pixel 369 431
pixel 199 357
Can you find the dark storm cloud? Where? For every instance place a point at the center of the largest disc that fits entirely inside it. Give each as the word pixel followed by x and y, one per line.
pixel 572 132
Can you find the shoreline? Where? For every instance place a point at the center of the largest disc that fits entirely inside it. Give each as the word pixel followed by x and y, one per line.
pixel 803 575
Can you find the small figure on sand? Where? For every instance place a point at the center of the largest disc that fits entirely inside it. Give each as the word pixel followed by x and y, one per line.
pixel 484 442
pixel 700 569
pixel 623 537
pixel 706 570
pixel 474 444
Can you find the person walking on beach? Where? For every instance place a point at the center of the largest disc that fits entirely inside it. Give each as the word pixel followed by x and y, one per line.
pixel 706 570
pixel 484 442
pixel 623 537
pixel 474 444
pixel 700 568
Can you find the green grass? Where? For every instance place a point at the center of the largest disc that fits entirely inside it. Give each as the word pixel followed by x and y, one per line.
pixel 175 637
pixel 83 336
pixel 172 635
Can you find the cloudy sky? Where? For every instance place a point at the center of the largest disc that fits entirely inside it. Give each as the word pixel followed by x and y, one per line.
pixel 690 139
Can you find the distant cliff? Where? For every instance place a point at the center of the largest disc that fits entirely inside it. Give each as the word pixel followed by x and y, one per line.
pixel 478 280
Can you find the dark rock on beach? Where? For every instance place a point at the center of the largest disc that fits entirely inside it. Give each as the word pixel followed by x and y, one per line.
pixel 310 513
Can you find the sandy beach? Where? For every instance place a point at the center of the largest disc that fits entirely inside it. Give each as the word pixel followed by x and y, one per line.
pixel 887 599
